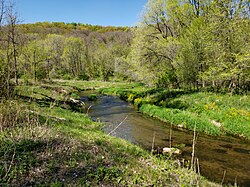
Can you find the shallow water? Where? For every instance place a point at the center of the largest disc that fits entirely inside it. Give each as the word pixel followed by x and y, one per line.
pixel 217 155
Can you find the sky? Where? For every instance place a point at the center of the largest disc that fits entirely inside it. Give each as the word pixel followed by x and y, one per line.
pixel 95 12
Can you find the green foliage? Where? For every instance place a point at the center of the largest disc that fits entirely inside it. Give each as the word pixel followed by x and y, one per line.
pixel 83 77
pixel 86 56
pixel 73 56
pixel 193 44
pixel 64 28
pixel 67 77
pixel 92 97
pixel 176 116
pixel 33 59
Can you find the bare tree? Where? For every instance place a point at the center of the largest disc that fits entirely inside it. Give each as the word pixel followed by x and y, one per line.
pixel 3 81
pixel 2 7
pixel 13 35
pixel 9 46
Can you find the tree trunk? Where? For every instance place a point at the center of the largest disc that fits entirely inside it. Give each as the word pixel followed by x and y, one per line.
pixel 35 71
pixel 15 66
pixel 48 69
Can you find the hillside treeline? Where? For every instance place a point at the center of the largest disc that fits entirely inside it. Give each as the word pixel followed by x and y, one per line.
pixel 57 50
pixel 188 44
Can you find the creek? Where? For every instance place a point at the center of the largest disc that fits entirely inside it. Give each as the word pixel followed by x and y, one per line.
pixel 218 156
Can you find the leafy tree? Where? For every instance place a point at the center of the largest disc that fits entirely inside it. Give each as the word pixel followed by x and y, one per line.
pixel 54 46
pixel 13 37
pixel 74 58
pixel 9 40
pixel 33 56
pixel 190 44
pixel 154 47
pixel 228 33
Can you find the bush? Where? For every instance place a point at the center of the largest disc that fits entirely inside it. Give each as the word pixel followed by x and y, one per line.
pixel 92 97
pixel 67 77
pixel 83 77
pixel 12 115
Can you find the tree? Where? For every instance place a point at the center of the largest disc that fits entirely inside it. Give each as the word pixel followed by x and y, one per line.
pixel 154 47
pixel 33 55
pixel 193 43
pixel 9 46
pixel 54 46
pixel 13 36
pixel 74 57
pixel 3 81
pixel 227 38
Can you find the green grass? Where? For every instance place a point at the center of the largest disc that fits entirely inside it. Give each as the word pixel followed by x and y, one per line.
pixel 49 143
pixel 189 109
pixel 183 118
pixel 92 85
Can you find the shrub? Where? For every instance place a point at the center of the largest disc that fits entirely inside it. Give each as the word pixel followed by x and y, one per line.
pixel 92 97
pixel 67 77
pixel 11 115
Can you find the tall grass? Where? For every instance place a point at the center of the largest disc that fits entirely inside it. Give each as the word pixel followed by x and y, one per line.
pixel 12 115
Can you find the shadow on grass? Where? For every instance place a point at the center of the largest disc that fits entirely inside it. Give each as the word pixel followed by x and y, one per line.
pixel 17 159
pixel 165 98
pixel 47 101
pixel 59 162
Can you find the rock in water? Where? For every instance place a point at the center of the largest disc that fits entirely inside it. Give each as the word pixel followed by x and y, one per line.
pixel 168 150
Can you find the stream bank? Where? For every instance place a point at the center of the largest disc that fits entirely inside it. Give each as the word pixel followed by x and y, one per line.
pixel 217 155
pixel 211 113
pixel 48 141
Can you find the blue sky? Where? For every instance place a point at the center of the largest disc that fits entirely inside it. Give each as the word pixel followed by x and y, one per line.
pixel 95 12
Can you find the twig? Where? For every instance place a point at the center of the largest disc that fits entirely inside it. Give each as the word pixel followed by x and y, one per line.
pixel 198 167
pixel 193 146
pixel 52 104
pixel 153 144
pixel 89 109
pixel 38 114
pixel 170 136
pixel 235 181
pixel 117 126
pixel 223 178
pixel 198 170
pixel 12 160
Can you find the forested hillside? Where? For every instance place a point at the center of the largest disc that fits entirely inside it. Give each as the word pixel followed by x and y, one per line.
pixel 178 44
pixel 57 50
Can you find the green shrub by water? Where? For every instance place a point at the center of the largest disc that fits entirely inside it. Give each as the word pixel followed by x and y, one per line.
pixel 92 97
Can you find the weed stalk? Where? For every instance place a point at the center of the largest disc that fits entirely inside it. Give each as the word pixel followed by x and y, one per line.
pixel 153 144
pixel 118 126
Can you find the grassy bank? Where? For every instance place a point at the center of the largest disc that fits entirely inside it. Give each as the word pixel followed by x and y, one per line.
pixel 47 140
pixel 210 112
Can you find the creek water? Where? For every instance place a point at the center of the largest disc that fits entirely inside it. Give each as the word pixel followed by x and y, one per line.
pixel 219 157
